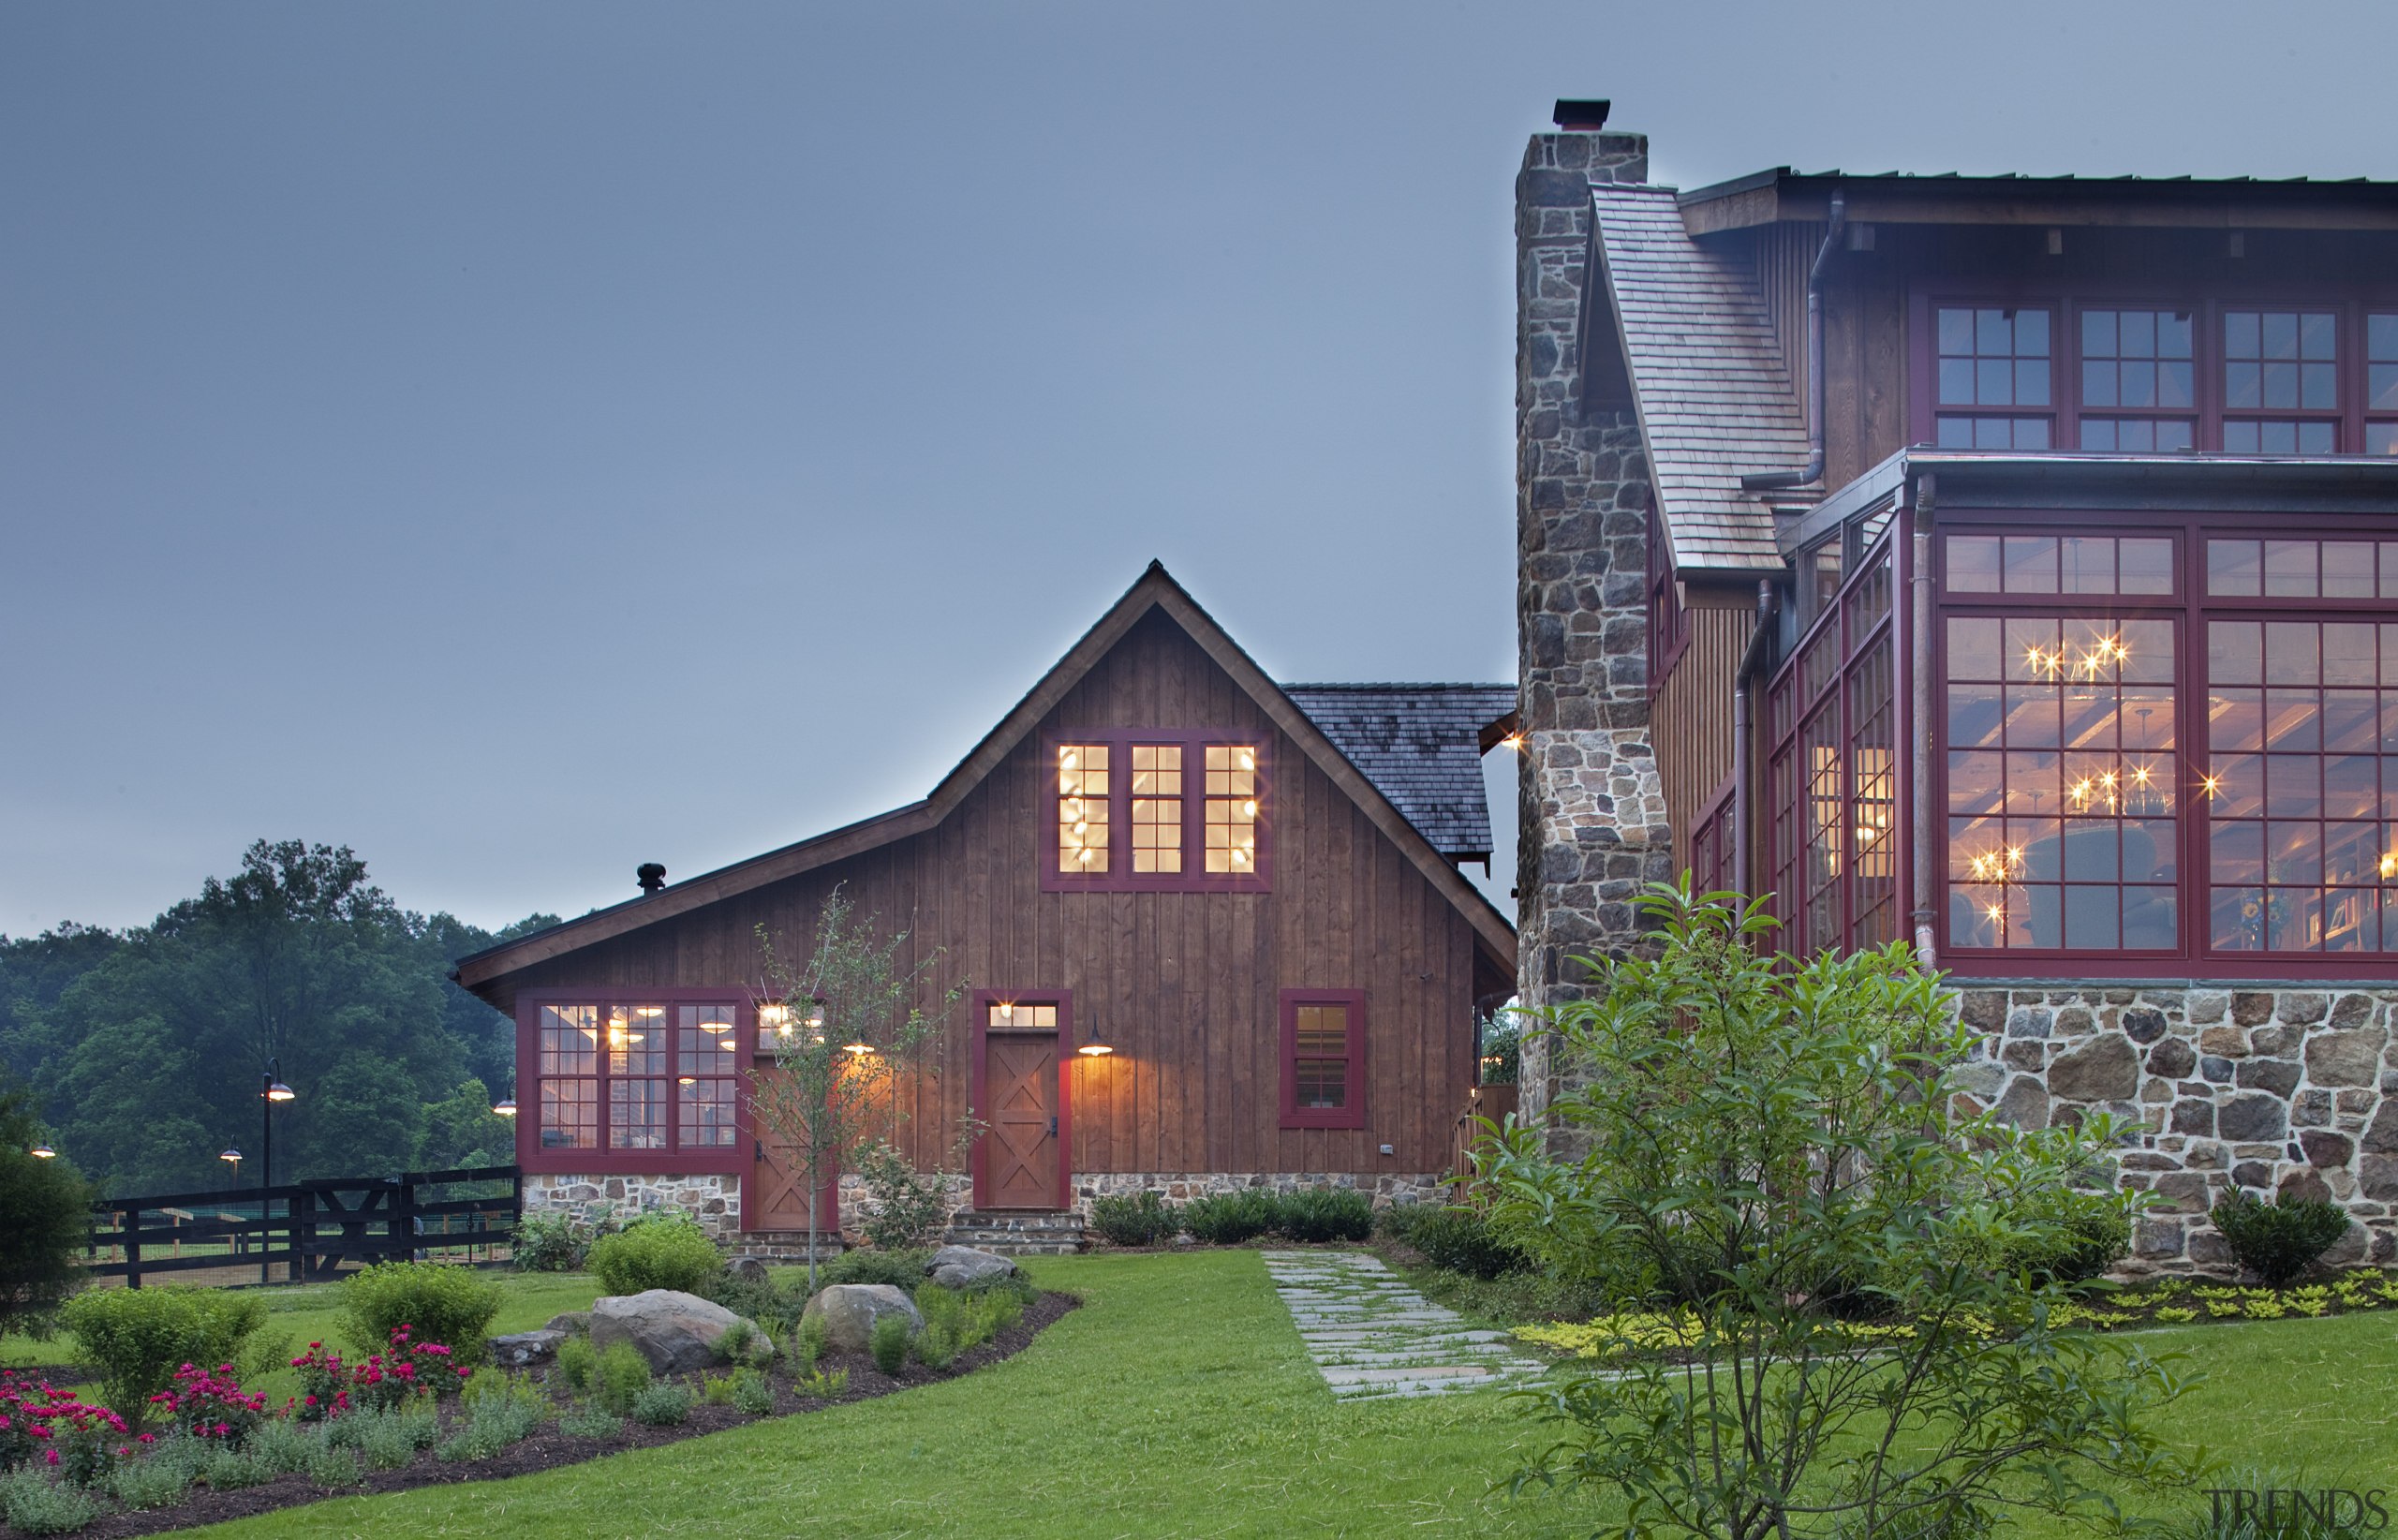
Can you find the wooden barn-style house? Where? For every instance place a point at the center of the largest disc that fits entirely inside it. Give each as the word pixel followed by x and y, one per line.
pixel 2002 565
pixel 1248 894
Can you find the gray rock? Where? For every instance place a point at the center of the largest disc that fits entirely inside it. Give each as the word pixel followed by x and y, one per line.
pixel 2344 1058
pixel 965 1268
pixel 2252 1009
pixel 577 1322
pixel 850 1311
pixel 2351 1010
pixel 2377 1176
pixel 2144 1025
pixel 748 1269
pixel 2193 1116
pixel 2326 1150
pixel 2256 1115
pixel 1984 1008
pixel 520 1348
pixel 2381 1135
pixel 676 1332
pixel 2025 1104
pixel 2172 1058
pixel 2107 1069
pixel 2277 1075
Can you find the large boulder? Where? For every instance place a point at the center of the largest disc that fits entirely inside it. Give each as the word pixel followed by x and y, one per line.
pixel 520 1348
pixel 850 1311
pixel 964 1267
pixel 676 1332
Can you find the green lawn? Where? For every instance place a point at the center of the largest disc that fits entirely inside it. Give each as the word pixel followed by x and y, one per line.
pixel 1178 1402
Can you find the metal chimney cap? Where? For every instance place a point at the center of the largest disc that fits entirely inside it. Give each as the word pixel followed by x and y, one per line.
pixel 651 876
pixel 1583 116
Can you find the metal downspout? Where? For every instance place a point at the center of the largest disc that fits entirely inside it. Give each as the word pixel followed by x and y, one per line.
pixel 1742 809
pixel 1767 480
pixel 1919 672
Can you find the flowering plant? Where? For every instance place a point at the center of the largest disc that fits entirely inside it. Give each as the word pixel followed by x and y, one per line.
pixel 212 1404
pixel 406 1369
pixel 40 1422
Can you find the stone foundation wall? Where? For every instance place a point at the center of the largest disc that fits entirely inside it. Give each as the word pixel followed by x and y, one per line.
pixel 2264 1089
pixel 1175 1186
pixel 716 1200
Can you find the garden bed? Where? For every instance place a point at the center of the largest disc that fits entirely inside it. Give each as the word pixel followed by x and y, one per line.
pixel 548 1447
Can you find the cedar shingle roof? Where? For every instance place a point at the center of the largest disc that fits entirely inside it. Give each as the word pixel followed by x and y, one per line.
pixel 1421 746
pixel 1714 400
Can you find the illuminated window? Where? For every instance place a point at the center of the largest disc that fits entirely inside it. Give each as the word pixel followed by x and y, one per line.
pixel 2281 361
pixel 636 1076
pixel 1232 807
pixel 568 1071
pixel 1323 1059
pixel 1157 808
pixel 614 1078
pixel 706 1078
pixel 1010 1015
pixel 1082 808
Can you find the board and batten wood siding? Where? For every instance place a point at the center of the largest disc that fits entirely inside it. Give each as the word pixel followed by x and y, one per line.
pixel 1865 320
pixel 1184 986
pixel 1691 711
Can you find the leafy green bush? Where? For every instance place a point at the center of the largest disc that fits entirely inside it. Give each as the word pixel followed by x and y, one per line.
pixel 230 1470
pixel 2279 1240
pixel 437 1301
pixel 753 1392
pixel 284 1446
pixel 909 1210
pixel 152 1483
pixel 658 1252
pixel 591 1420
pixel 578 1364
pixel 623 1374
pixel 665 1404
pixel 900 1269
pixel 888 1341
pixel 1317 1217
pixel 35 1504
pixel 822 1386
pixel 1229 1219
pixel 807 1344
pixel 134 1340
pixel 332 1468
pixel 773 1309
pixel 500 1412
pixel 549 1243
pixel 1463 1241
pixel 389 1440
pixel 1141 1219
pixel 2081 1236
pixel 45 1215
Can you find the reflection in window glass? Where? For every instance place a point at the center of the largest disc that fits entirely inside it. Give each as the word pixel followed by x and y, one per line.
pixel 2140 434
pixel 2138 359
pixel 1082 807
pixel 1320 1049
pixel 1232 807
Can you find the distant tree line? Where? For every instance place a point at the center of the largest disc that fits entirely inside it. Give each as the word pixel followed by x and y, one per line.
pixel 143 1048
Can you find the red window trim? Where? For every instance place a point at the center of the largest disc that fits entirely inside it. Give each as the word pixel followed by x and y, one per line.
pixel 2207 300
pixel 978 1029
pixel 1194 745
pixel 716 1159
pixel 1354 1113
pixel 2193 958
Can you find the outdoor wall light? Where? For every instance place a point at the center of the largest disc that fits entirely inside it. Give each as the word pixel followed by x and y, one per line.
pixel 861 1049
pixel 42 1152
pixel 1098 1047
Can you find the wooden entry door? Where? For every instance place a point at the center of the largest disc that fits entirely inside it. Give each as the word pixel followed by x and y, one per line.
pixel 774 1197
pixel 1019 1052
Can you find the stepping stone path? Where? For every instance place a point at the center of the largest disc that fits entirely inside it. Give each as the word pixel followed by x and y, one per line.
pixel 1371 1335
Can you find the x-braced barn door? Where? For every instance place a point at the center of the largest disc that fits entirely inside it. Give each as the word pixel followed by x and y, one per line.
pixel 1019 1050
pixel 776 1197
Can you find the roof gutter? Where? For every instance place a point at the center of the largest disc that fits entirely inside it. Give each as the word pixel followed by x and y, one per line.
pixel 1772 479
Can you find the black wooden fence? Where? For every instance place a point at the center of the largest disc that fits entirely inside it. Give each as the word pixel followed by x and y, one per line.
pixel 309 1230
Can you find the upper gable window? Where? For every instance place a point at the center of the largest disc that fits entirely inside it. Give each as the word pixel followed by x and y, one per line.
pixel 2140 368
pixel 1126 814
pixel 1994 363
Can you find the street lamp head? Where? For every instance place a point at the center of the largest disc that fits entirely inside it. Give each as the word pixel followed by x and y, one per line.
pixel 505 1106
pixel 42 1152
pixel 277 1091
pixel 230 1156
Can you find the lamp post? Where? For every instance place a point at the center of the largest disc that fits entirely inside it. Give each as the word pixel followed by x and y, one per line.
pixel 271 1091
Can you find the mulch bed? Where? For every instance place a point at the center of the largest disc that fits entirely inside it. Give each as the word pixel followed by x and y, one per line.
pixel 548 1448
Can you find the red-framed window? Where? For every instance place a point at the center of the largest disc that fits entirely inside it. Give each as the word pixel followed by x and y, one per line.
pixel 2238 369
pixel 1156 809
pixel 1669 619
pixel 1323 1059
pixel 2170 749
pixel 647 1081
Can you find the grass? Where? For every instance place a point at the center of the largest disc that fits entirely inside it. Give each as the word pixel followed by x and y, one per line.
pixel 1179 1402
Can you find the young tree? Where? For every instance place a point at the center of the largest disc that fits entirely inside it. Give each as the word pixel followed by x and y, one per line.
pixel 1775 1147
pixel 45 1218
pixel 842 1026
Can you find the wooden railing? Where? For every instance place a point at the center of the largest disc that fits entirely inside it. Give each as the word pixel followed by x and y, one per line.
pixel 1491 1101
pixel 309 1230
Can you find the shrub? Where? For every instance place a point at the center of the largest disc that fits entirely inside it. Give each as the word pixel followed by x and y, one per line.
pixel 1315 1217
pixel 331 1468
pixel 211 1405
pixel 2080 1235
pixel 230 1470
pixel 900 1269
pixel 134 1340
pixel 1141 1219
pixel 284 1447
pixel 2279 1240
pixel 389 1440
pixel 45 1216
pixel 739 1343
pixel 665 1404
pixel 433 1301
pixel 591 1421
pixel 667 1251
pixel 34 1505
pixel 153 1483
pixel 623 1374
pixel 807 1344
pixel 753 1392
pixel 1229 1219
pixel 505 1413
pixel 888 1341
pixel 819 1386
pixel 909 1210
pixel 556 1242
pixel 578 1364
pixel 769 1307
pixel 1463 1241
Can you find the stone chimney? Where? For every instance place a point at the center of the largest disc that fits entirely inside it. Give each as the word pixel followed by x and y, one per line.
pixel 1593 826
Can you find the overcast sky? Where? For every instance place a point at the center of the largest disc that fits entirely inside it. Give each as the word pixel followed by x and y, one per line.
pixel 520 442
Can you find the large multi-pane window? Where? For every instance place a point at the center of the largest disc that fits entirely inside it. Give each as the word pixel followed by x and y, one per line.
pixel 2180 745
pixel 658 1076
pixel 1157 809
pixel 2160 376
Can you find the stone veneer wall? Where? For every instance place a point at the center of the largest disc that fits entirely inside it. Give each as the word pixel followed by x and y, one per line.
pixel 2260 1088
pixel 716 1200
pixel 1594 826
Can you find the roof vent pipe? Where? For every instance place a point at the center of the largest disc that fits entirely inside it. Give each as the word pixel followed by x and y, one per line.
pixel 651 876
pixel 1771 480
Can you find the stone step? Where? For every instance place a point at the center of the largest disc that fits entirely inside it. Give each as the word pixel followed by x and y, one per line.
pixel 1018 1233
pixel 787 1245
